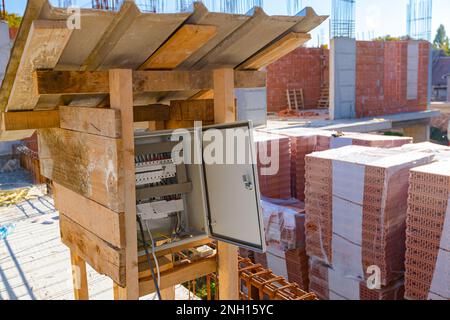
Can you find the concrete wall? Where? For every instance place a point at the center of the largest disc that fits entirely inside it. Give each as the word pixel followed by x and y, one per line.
pixel 343 78
pixel 304 68
pixel 252 105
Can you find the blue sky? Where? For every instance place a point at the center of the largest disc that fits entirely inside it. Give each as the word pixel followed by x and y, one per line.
pixel 374 17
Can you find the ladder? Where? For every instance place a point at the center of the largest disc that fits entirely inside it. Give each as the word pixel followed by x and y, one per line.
pixel 324 100
pixel 295 99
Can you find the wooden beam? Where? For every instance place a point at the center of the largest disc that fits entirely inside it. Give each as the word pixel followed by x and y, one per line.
pixel 275 51
pixel 204 94
pixel 71 82
pixel 99 121
pixel 225 111
pixel 224 102
pixel 97 82
pixel 152 112
pixel 121 98
pixel 28 120
pixel 55 35
pixel 101 221
pixel 195 110
pixel 186 41
pixel 179 275
pixel 85 163
pixel 79 277
pixel 101 256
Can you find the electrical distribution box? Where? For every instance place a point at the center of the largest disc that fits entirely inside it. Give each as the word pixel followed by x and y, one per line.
pixel 198 183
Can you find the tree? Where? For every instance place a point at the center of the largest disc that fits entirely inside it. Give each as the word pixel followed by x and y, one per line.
pixel 441 41
pixel 13 20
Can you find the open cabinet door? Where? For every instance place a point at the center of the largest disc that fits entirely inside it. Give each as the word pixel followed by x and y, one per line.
pixel 232 189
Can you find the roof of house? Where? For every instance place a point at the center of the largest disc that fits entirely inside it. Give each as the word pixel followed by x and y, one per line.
pixel 441 69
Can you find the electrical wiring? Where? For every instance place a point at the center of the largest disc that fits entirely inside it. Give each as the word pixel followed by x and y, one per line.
pixel 156 281
pixel 154 257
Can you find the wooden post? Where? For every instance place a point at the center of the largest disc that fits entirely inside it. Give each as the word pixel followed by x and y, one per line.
pixel 225 111
pixel 121 98
pixel 79 277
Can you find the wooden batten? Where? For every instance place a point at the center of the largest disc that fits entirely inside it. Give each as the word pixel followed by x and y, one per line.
pixel 275 51
pixel 100 255
pixel 204 94
pixel 99 220
pixel 15 135
pixel 186 41
pixel 55 35
pixel 87 164
pixel 29 120
pixel 179 275
pixel 97 82
pixel 99 121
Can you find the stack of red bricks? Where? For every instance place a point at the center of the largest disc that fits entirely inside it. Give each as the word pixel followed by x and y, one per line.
pixel 305 141
pixel 284 224
pixel 356 203
pixel 274 165
pixel 428 233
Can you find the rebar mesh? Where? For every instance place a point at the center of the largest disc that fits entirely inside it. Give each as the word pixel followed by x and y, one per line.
pixel 419 18
pixel 343 19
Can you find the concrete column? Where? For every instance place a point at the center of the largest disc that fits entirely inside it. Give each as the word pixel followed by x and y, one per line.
pixel 343 78
pixel 419 132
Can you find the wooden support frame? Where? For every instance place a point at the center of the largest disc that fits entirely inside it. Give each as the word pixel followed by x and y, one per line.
pixel 97 82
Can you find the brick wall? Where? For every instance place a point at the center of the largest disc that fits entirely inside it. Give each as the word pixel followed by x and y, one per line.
pixel 301 69
pixel 381 78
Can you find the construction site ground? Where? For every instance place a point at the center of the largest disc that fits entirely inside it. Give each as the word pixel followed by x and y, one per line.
pixel 34 264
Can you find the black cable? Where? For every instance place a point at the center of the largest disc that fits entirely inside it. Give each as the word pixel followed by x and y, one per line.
pixel 148 257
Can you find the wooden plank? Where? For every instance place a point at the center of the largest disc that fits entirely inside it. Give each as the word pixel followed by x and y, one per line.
pixel 27 120
pixel 79 277
pixel 85 163
pixel 178 248
pixel 101 221
pixel 224 102
pixel 121 98
pixel 55 35
pixel 100 255
pixel 275 51
pixel 186 41
pixel 196 110
pixel 179 275
pixel 164 264
pixel 97 82
pixel 117 28
pixel 99 121
pixel 15 135
pixel 152 112
pixel 32 12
